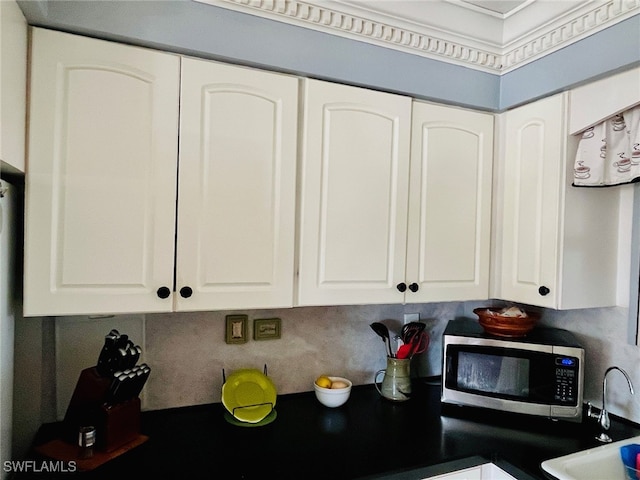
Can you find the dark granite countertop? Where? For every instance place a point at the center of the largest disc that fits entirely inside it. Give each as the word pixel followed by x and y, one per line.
pixel 368 437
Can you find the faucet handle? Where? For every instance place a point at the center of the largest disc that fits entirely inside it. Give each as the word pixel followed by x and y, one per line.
pixel 602 416
pixel 604 421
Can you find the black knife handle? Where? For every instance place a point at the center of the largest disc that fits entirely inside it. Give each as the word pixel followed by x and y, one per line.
pixel 115 392
pixel 110 341
pixel 140 380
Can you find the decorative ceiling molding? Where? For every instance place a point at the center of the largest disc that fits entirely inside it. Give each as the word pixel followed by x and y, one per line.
pixel 438 44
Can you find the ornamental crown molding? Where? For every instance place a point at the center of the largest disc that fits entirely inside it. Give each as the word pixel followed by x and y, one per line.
pixel 437 43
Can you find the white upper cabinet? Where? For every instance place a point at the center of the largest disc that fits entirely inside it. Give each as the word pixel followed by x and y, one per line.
pixel 557 245
pixel 353 195
pixel 237 181
pixel 13 86
pixel 101 177
pixel 450 204
pixel 389 214
pixel 156 183
pixel 532 178
pixel 103 186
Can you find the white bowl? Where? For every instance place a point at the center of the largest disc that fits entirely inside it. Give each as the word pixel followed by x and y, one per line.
pixel 333 397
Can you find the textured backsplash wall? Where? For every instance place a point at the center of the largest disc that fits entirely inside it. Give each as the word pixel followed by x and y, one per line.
pixel 603 334
pixel 187 352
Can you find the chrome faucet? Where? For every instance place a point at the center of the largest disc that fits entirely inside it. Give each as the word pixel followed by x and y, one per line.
pixel 603 416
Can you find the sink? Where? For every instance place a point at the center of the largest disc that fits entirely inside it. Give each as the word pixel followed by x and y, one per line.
pixel 593 464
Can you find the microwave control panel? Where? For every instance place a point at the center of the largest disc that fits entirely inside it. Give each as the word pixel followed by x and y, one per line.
pixel 566 384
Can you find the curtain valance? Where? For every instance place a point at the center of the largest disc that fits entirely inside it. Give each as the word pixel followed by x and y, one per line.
pixel 609 153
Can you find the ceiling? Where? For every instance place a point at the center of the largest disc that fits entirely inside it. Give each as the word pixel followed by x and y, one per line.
pixel 490 35
pixel 497 7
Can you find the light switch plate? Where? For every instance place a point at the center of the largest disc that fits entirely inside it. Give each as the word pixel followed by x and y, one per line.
pixel 266 329
pixel 236 329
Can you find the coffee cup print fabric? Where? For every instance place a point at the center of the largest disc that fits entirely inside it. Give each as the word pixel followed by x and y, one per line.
pixel 609 153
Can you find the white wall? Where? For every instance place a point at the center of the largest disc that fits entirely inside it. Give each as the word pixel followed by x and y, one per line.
pixel 8 212
pixel 603 334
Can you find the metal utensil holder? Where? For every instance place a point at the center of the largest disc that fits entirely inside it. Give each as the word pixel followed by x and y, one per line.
pixel 250 406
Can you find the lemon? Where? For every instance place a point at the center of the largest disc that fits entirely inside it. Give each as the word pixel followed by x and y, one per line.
pixel 323 381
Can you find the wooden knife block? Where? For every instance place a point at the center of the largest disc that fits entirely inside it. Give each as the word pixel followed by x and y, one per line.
pixel 120 424
pixel 115 425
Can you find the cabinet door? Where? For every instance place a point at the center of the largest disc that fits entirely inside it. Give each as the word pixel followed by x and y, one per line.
pixel 354 187
pixel 101 177
pixel 236 206
pixel 13 85
pixel 532 167
pixel 450 204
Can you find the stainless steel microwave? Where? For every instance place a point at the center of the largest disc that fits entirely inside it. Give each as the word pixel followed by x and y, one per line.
pixel 541 373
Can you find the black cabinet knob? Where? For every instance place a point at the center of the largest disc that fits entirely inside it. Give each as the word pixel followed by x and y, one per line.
pixel 163 292
pixel 402 287
pixel 414 287
pixel 543 290
pixel 186 292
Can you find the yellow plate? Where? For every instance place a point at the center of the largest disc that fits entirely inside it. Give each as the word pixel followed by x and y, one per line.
pixel 249 395
pixel 265 421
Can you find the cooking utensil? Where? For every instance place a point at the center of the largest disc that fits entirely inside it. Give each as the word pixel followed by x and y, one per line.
pixel 410 329
pixel 404 351
pixel 415 339
pixel 419 343
pixel 382 330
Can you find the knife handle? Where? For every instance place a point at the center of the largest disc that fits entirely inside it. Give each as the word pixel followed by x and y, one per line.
pixel 115 389
pixel 141 380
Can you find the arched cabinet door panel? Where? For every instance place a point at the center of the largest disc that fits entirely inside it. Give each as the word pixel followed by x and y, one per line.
pixel 237 180
pixel 450 203
pixel 531 206
pixel 353 197
pixel 101 176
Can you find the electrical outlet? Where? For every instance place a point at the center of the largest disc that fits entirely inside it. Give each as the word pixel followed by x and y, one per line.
pixel 411 317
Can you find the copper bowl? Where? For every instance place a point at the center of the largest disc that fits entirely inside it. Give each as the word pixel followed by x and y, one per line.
pixel 496 324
